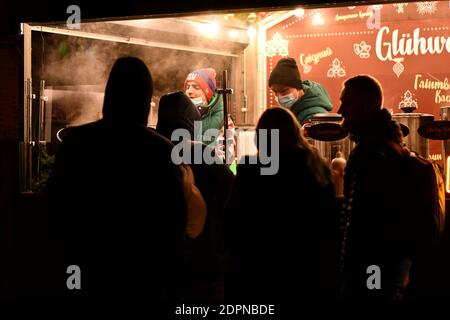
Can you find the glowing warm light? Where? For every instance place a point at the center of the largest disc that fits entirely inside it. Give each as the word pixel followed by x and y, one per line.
pixel 203 28
pixel 209 28
pixel 215 27
pixel 318 20
pixel 229 16
pixel 299 12
pixel 233 34
pixel 251 32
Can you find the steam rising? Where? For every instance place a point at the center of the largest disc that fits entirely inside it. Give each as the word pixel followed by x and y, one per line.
pixel 77 69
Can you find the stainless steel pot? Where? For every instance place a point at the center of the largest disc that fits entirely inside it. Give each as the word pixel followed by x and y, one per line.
pixel 329 149
pixel 413 121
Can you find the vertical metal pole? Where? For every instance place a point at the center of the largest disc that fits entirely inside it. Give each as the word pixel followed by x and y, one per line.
pixel 28 140
pixel 227 132
pixel 225 111
pixel 41 131
pixel 244 76
pixel 26 163
pixel 225 91
pixel 42 100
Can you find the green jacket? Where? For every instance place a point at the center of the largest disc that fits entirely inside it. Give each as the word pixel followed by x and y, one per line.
pixel 315 100
pixel 213 119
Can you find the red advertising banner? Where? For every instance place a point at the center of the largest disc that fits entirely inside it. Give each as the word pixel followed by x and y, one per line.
pixel 406 46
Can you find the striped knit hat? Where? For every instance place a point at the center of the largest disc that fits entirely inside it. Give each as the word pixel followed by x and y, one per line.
pixel 206 79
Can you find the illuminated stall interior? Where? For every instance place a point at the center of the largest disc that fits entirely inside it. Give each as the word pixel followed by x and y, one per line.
pixel 66 68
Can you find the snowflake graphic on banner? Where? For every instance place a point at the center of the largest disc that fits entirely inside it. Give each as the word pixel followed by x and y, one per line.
pixel 400 7
pixel 398 67
pixel 277 45
pixel 306 68
pixel 428 7
pixel 408 104
pixel 362 49
pixel 336 70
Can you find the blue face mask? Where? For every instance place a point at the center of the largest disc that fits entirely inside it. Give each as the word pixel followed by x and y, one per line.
pixel 286 101
pixel 198 102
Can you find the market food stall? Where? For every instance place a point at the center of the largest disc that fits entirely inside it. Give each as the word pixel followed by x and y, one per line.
pixel 404 45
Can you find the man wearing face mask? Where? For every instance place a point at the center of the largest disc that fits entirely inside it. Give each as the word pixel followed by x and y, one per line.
pixel 304 98
pixel 200 87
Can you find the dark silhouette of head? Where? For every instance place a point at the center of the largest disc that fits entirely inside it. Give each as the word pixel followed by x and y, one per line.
pixel 361 101
pixel 128 92
pixel 176 111
pixel 289 129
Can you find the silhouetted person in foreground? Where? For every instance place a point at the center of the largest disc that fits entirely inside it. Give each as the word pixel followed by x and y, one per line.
pixel 382 232
pixel 119 208
pixel 206 255
pixel 282 228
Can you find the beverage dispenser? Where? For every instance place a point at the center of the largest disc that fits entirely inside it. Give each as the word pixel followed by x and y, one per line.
pixel 413 121
pixel 331 141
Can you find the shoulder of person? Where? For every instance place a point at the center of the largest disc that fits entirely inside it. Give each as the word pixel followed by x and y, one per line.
pixel 154 135
pixel 311 85
pixel 80 133
pixel 85 127
pixel 378 153
pixel 314 86
pixel 298 160
pixel 216 104
pixel 307 84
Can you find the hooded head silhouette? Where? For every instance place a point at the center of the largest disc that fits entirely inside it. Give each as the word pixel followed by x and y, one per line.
pixel 128 92
pixel 176 111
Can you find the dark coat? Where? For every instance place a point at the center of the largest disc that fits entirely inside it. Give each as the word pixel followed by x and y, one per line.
pixel 176 111
pixel 282 231
pixel 215 182
pixel 119 211
pixel 206 256
pixel 376 213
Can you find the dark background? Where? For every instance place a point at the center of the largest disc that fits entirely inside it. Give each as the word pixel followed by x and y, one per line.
pixel 21 221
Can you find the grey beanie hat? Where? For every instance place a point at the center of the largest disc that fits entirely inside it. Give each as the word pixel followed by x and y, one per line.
pixel 286 73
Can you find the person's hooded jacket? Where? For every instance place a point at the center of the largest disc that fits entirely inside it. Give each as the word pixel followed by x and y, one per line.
pixel 117 204
pixel 214 181
pixel 213 118
pixel 380 228
pixel 315 100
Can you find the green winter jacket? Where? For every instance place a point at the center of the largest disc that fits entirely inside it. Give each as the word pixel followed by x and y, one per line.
pixel 213 119
pixel 315 100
